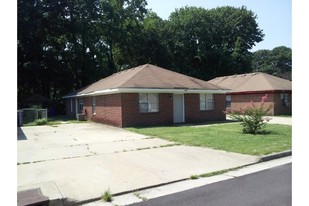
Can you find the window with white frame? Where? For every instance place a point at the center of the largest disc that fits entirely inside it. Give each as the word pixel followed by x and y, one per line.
pixel 206 102
pixel 148 102
pixel 80 106
pixel 228 101
pixel 93 105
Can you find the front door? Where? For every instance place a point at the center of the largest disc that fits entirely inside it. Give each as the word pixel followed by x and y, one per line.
pixel 178 111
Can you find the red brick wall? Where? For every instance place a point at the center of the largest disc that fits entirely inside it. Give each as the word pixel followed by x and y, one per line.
pixel 194 114
pixel 122 110
pixel 131 116
pixel 241 101
pixel 108 109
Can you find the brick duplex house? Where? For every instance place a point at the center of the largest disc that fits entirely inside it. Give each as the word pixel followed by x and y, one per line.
pixel 148 95
pixel 245 88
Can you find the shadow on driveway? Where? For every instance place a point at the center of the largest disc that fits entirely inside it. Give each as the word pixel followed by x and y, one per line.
pixel 20 134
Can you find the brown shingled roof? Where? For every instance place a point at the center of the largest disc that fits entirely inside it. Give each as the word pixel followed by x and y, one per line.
pixel 148 77
pixel 252 82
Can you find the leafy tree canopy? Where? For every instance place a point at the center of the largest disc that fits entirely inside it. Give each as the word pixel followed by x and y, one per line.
pixel 64 45
pixel 277 61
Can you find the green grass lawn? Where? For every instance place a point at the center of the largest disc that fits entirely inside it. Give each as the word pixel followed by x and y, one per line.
pixel 228 137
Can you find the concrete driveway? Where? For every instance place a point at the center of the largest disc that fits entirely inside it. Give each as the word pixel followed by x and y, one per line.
pixel 280 120
pixel 78 162
pixel 274 120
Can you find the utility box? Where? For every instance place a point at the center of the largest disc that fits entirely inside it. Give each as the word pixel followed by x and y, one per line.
pixel 81 117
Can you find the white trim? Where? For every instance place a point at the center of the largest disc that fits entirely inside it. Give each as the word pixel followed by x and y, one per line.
pixel 149 90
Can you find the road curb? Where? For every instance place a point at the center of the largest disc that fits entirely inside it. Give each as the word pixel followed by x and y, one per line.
pixel 261 159
pixel 275 156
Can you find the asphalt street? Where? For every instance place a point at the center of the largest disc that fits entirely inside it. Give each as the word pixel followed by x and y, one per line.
pixel 271 187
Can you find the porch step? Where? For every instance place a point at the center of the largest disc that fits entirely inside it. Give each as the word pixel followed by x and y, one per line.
pixel 32 197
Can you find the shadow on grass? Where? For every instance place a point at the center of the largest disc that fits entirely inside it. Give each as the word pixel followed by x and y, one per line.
pixel 62 118
pixel 185 124
pixel 262 132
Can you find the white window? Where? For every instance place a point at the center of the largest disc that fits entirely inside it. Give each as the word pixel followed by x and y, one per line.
pixel 93 105
pixel 148 102
pixel 80 106
pixel 206 102
pixel 228 100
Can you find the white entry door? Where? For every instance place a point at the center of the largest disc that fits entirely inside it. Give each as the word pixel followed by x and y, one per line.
pixel 178 108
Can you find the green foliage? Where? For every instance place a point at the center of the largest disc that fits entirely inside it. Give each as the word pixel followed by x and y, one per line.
pixel 41 121
pixel 201 40
pixel 277 61
pixel 194 177
pixel 253 117
pixel 67 44
pixel 107 196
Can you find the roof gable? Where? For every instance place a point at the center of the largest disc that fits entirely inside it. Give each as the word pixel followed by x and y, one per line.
pixel 252 82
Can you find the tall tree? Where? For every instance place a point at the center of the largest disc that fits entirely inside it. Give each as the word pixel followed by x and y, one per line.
pixel 67 44
pixel 209 43
pixel 121 26
pixel 56 47
pixel 277 61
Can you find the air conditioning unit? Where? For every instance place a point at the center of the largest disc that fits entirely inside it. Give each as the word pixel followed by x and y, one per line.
pixel 81 117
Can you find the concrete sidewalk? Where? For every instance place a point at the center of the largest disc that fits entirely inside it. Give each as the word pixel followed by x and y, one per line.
pixel 78 162
pixel 144 195
pixel 280 120
pixel 275 120
pixel 86 178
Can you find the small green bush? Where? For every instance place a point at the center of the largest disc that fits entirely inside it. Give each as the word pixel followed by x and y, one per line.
pixel 107 196
pixel 41 121
pixel 253 117
pixel 194 177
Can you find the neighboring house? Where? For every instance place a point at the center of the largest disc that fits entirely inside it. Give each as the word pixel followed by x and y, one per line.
pixel 148 95
pixel 251 87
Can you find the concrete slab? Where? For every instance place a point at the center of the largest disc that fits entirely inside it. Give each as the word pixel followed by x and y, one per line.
pixel 31 197
pixel 124 199
pixel 83 160
pixel 49 189
pixel 88 177
pixel 47 143
pixel 280 120
pixel 275 120
pixel 160 191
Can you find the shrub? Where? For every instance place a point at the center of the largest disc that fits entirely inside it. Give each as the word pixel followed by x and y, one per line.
pixel 194 177
pixel 41 121
pixel 253 117
pixel 107 196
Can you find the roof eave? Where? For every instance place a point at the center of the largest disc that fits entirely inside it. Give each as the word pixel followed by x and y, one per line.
pixel 150 90
pixel 260 91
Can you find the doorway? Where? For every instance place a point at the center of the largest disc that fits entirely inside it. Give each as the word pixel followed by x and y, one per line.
pixel 178 108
